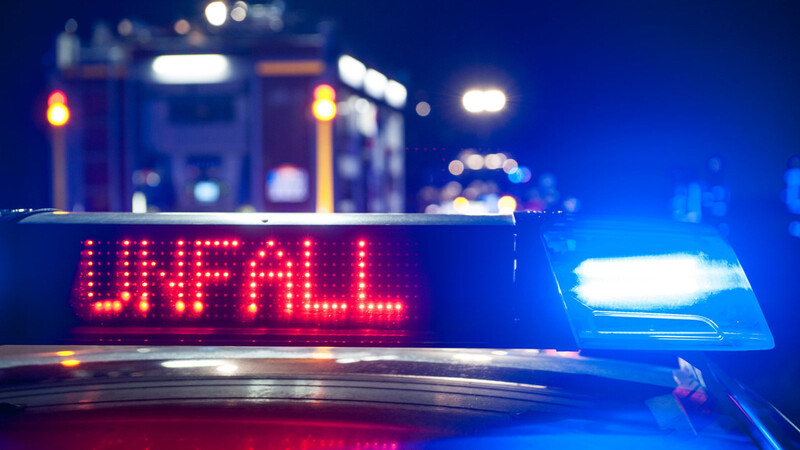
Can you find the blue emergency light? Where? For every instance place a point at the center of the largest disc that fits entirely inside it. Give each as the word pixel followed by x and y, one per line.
pixel 531 280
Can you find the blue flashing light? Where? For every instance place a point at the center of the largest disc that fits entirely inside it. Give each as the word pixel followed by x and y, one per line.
pixel 653 286
pixel 657 282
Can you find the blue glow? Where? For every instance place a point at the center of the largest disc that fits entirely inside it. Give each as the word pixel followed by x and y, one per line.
pixel 651 285
pixel 206 191
pixel 658 282
pixel 515 175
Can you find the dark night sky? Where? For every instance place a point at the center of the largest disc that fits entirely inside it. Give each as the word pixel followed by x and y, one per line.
pixel 611 96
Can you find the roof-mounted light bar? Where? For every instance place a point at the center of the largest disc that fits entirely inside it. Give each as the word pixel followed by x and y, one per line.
pixel 529 280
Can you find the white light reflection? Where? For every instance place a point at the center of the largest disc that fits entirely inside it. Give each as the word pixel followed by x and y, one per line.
pixel 657 282
pixel 192 363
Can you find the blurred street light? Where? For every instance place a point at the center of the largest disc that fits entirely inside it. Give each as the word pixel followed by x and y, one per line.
pixel 477 101
pixel 216 13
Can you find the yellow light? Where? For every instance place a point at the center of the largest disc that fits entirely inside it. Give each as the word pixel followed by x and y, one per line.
pixel 506 204
pixel 324 109
pixel 70 362
pixel 58 114
pixel 460 204
pixel 65 353
pixel 324 92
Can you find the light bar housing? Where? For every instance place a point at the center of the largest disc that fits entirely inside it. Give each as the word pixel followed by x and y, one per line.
pixel 365 280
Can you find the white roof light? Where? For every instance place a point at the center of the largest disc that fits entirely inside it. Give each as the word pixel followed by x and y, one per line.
pixel 494 100
pixel 375 84
pixel 352 71
pixel 396 94
pixel 191 69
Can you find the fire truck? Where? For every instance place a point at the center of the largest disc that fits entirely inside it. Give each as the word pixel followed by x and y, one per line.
pixel 242 115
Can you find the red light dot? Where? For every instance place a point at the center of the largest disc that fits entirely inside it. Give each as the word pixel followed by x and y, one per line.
pixel 144 306
pixel 180 306
pixel 117 305
pixel 252 308
pixel 198 306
